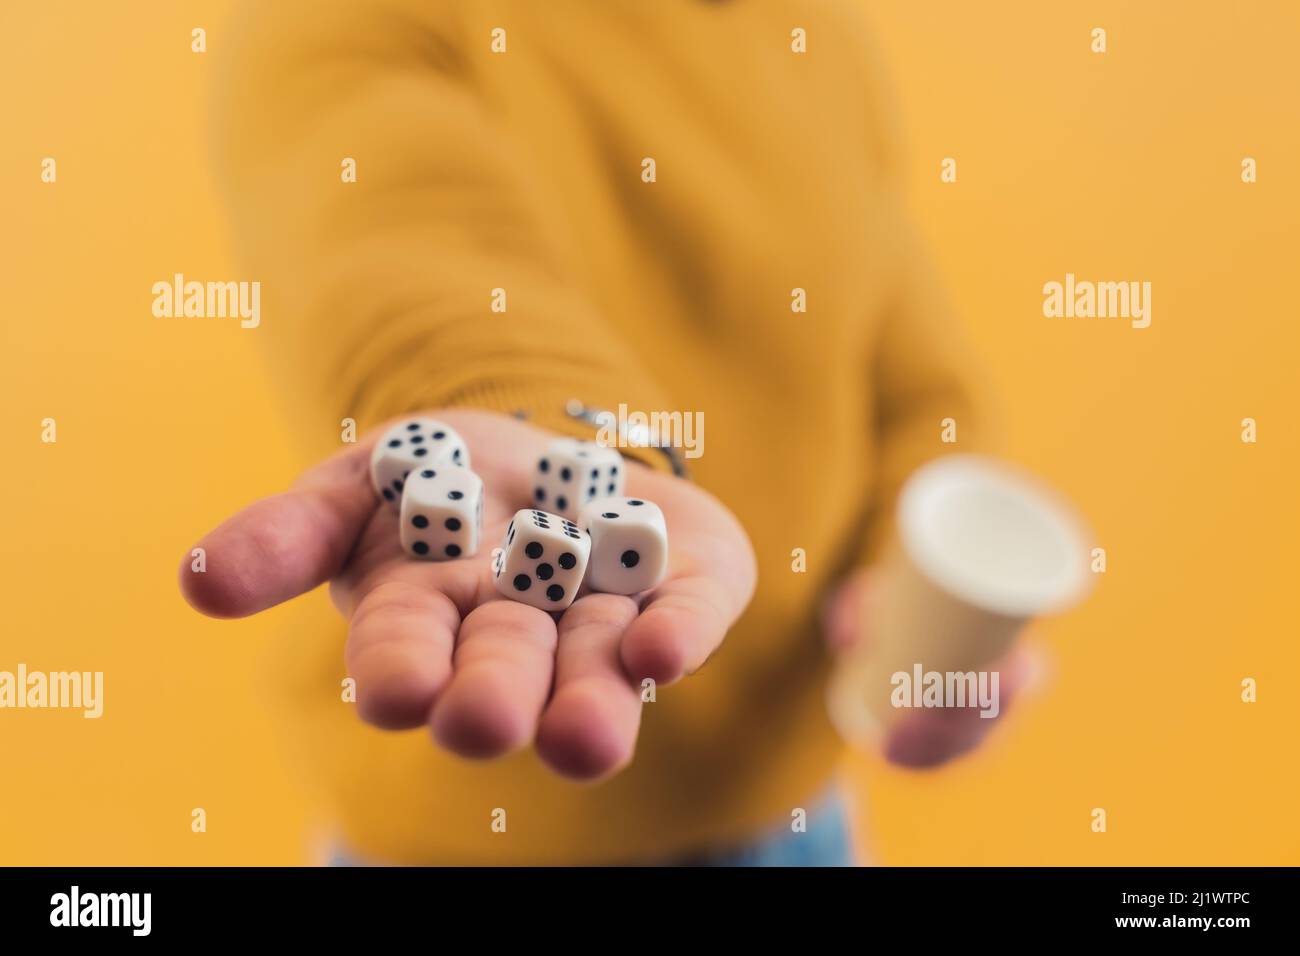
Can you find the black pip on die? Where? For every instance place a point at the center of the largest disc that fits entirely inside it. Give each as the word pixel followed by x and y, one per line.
pixel 573 472
pixel 542 560
pixel 629 544
pixel 442 513
pixel 415 443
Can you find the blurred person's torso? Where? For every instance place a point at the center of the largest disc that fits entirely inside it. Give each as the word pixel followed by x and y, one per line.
pixel 768 178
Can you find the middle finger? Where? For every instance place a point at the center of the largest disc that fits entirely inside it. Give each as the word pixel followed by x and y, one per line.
pixel 504 661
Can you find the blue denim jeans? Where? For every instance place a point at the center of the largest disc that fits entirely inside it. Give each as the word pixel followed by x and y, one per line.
pixel 826 841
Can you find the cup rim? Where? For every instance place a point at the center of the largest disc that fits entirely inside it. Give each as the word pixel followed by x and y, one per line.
pixel 1040 511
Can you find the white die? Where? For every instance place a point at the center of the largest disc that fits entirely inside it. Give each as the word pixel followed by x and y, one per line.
pixel 542 560
pixel 442 513
pixel 414 443
pixel 629 544
pixel 573 472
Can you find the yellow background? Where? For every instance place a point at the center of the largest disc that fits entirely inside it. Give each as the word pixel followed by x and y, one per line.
pixel 1117 166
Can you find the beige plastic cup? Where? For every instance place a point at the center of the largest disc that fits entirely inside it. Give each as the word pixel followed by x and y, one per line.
pixel 980 549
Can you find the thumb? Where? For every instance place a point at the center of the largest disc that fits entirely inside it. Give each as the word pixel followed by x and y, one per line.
pixel 285 545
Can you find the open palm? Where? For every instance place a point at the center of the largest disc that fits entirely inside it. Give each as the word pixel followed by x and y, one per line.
pixel 435 643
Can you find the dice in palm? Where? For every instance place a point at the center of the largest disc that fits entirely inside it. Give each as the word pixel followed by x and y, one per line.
pixel 542 560
pixel 629 544
pixel 411 444
pixel 573 472
pixel 442 513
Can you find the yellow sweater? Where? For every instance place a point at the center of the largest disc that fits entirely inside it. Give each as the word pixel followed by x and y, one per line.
pixel 504 146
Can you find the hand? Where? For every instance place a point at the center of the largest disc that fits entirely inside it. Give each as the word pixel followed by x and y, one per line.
pixel 924 738
pixel 435 643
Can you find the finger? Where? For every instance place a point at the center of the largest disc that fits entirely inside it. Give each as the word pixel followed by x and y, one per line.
pixel 929 738
pixel 280 547
pixel 844 611
pixel 681 624
pixel 589 728
pixel 501 678
pixel 400 642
